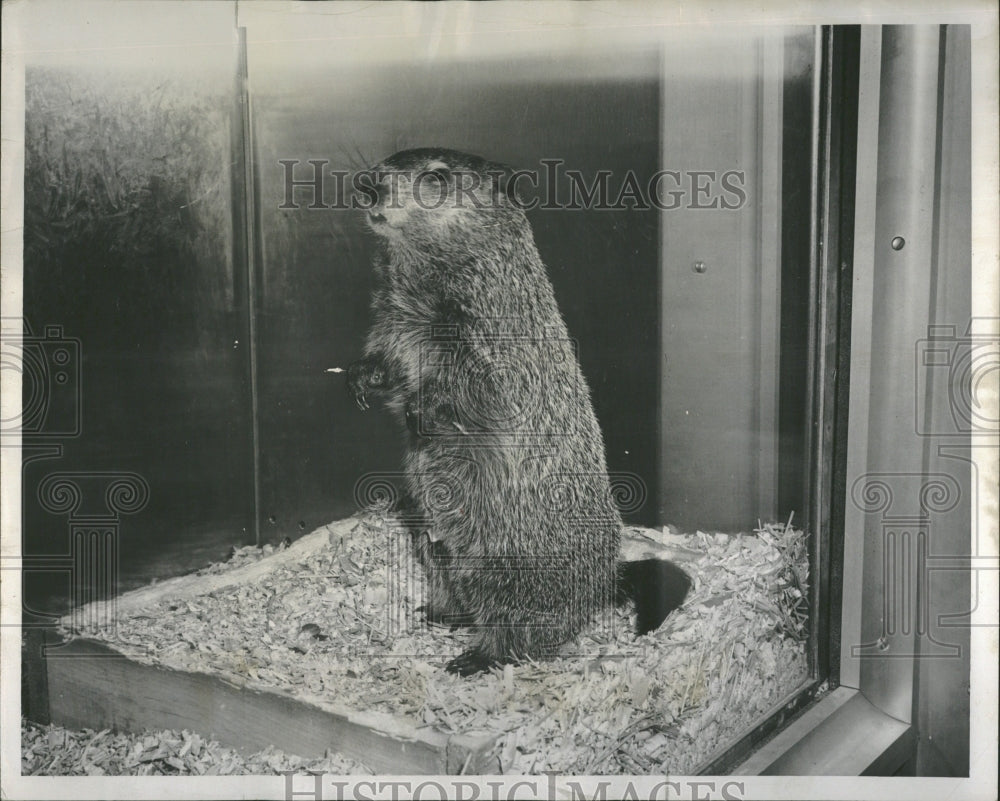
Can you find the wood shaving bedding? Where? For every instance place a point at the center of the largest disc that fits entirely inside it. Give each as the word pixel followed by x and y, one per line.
pixel 56 751
pixel 343 624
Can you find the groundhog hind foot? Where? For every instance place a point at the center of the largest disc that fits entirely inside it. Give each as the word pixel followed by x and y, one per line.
pixel 473 661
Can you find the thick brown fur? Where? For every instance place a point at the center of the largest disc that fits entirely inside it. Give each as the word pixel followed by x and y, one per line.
pixel 505 458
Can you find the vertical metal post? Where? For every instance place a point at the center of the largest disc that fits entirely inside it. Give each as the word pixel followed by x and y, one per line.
pixel 862 313
pixel 830 378
pixel 245 249
pixel 904 243
pixel 770 111
pixel 812 436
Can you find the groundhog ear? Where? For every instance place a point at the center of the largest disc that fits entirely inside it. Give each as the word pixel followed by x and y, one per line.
pixel 504 186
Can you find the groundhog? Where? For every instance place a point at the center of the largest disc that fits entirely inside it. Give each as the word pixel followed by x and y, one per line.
pixel 505 459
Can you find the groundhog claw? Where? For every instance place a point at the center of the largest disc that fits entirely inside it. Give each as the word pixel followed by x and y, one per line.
pixel 362 376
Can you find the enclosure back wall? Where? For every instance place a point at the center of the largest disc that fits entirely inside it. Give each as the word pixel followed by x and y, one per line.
pixel 146 242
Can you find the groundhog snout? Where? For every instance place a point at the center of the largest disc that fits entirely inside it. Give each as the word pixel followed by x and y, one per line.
pixel 398 197
pixel 380 196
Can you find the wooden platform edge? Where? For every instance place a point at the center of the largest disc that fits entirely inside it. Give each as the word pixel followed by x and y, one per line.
pixel 201 584
pixel 637 544
pixel 93 686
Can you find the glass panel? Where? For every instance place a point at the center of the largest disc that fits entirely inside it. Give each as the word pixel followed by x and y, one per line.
pixel 134 349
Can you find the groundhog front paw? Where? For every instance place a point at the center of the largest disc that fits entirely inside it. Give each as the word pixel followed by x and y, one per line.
pixel 365 377
pixel 432 418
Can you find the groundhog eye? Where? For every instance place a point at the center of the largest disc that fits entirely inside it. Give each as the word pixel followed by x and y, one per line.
pixel 439 175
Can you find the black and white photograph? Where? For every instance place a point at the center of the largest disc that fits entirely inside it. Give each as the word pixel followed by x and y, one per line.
pixel 564 400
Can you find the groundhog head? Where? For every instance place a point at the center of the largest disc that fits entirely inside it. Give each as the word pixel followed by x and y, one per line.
pixel 435 199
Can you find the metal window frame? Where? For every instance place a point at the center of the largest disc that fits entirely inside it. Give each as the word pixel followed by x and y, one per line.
pixel 865 726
